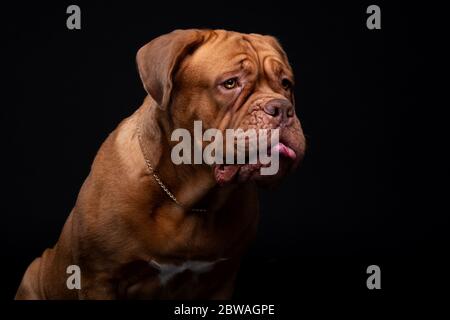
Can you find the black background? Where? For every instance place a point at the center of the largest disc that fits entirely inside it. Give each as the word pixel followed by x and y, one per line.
pixel 353 203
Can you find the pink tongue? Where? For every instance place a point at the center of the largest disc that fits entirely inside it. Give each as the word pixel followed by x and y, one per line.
pixel 284 151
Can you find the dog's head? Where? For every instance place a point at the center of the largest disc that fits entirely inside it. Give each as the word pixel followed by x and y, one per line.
pixel 228 80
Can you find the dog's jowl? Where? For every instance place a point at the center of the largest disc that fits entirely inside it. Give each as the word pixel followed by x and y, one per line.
pixel 146 227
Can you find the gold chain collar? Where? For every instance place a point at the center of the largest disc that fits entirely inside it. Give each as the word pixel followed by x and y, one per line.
pixel 152 171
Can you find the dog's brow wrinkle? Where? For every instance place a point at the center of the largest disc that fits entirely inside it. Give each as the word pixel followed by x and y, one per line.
pixel 253 49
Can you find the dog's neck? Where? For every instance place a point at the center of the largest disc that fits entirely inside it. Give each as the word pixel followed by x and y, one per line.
pixel 193 186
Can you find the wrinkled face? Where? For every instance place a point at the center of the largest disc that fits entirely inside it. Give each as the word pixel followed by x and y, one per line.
pixel 242 81
pixel 227 80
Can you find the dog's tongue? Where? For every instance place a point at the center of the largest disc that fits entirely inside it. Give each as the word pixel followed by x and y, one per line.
pixel 225 173
pixel 284 150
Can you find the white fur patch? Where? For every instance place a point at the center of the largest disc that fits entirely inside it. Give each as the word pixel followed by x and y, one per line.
pixel 168 270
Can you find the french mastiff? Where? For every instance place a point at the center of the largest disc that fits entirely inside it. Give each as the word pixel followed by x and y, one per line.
pixel 145 228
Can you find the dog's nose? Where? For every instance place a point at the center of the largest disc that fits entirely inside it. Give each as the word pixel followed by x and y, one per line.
pixel 279 108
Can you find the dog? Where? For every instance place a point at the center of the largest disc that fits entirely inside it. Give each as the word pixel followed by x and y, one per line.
pixel 145 228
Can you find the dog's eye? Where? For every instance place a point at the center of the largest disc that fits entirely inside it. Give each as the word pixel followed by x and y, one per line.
pixel 230 83
pixel 286 84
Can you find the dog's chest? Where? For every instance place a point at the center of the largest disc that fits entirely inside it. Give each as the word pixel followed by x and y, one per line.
pixel 167 271
pixel 170 280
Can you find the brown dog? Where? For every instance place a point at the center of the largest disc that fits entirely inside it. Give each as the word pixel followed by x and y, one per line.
pixel 135 231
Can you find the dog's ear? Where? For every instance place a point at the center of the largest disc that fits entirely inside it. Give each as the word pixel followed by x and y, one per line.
pixel 158 60
pixel 276 45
